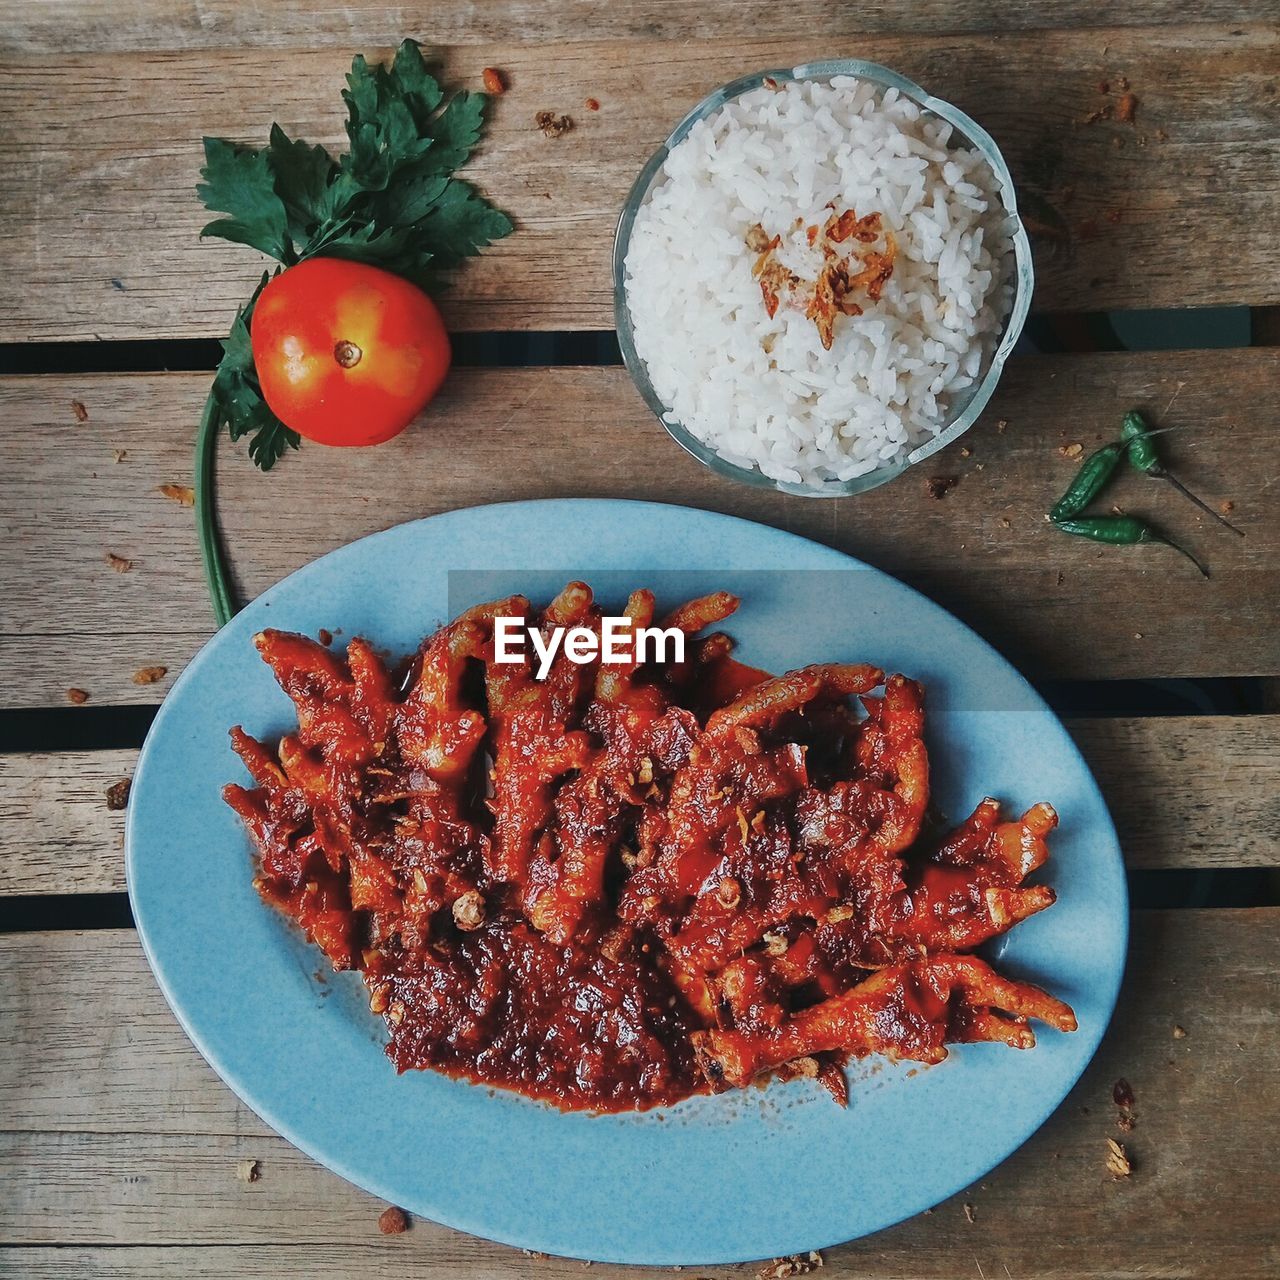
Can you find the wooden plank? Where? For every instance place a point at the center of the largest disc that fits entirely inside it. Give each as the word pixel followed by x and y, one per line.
pixel 56 832
pixel 1189 791
pixel 429 1259
pixel 130 26
pixel 98 213
pixel 116 1134
pixel 1185 792
pixel 1055 605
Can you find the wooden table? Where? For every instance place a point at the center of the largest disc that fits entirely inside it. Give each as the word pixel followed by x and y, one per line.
pixel 120 1147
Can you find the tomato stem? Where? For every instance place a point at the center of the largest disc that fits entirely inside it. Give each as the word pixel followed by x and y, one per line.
pixel 215 568
pixel 347 354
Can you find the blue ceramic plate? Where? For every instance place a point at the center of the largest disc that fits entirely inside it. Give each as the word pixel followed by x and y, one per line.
pixel 695 1183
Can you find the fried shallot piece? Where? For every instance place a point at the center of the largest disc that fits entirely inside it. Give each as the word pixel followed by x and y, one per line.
pixel 840 276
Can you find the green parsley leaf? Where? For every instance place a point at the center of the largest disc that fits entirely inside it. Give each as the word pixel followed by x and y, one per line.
pixel 414 82
pixel 303 178
pixel 374 245
pixel 454 133
pixel 460 223
pixel 410 199
pixel 382 146
pixel 270 441
pixel 362 93
pixel 238 181
pixel 241 406
pixel 387 116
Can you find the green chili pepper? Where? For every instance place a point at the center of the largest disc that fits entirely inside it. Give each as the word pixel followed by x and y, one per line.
pixel 1094 472
pixel 1143 456
pixel 1122 531
pixel 1142 449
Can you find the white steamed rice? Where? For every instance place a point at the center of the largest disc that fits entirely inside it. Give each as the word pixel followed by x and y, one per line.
pixel 763 392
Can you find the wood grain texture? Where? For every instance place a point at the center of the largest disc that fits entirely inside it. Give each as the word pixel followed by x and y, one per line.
pixel 1057 606
pixel 127 26
pixel 432 1259
pixel 119 1142
pixel 1185 791
pixel 57 834
pixel 1189 791
pixel 1177 209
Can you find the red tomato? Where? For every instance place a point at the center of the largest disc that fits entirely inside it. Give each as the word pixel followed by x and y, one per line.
pixel 347 354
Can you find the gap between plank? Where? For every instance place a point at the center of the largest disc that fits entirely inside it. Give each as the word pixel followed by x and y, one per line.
pixel 1087 331
pixel 94 728
pixel 1228 888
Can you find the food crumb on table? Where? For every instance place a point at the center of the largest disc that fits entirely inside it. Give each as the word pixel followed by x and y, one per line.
pixel 149 675
pixel 121 564
pixel 181 493
pixel 493 80
pixel 969 1214
pixel 78 408
pixel 796 1264
pixel 592 104
pixel 552 125
pixel 78 696
pixel 940 486
pixel 118 794
pixel 1123 1096
pixel 1118 1163
pixel 248 1170
pixel 393 1221
pixel 1179 1033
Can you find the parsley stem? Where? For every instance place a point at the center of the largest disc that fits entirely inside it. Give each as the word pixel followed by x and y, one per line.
pixel 215 567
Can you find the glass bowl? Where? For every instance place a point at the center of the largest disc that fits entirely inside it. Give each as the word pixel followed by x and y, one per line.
pixel 966 405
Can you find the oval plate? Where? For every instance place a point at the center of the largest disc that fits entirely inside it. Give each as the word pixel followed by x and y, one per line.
pixel 752 1174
